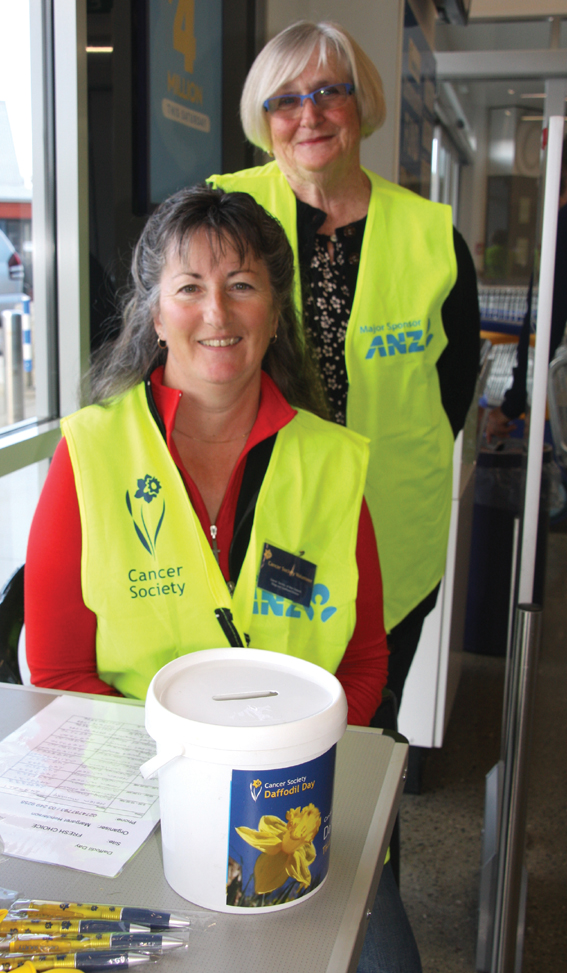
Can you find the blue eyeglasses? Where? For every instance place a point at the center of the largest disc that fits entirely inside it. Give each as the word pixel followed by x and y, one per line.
pixel 331 96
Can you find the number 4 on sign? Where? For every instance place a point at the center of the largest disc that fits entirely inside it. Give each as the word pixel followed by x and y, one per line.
pixel 184 32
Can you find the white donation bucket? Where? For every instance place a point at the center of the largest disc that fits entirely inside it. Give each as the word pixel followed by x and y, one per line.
pixel 246 754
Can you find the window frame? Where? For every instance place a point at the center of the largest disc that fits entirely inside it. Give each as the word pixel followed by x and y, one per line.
pixel 58 41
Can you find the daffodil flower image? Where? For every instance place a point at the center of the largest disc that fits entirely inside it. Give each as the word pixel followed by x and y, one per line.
pixel 148 489
pixel 287 847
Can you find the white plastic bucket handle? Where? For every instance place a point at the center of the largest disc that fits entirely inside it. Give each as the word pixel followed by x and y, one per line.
pixel 151 766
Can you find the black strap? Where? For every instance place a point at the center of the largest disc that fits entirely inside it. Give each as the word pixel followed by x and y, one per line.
pixel 257 463
pixel 225 620
pixel 153 407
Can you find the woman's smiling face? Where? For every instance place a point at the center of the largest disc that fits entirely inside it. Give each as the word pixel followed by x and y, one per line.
pixel 317 137
pixel 216 314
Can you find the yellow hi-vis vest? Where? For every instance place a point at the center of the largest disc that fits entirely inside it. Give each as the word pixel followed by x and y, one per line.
pixel 394 337
pixel 148 571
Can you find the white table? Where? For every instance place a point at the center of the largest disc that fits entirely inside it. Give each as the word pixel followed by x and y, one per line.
pixel 322 935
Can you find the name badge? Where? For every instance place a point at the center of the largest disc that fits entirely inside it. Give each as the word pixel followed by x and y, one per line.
pixel 287 575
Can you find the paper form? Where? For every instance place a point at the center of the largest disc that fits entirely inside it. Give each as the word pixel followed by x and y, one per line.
pixel 70 788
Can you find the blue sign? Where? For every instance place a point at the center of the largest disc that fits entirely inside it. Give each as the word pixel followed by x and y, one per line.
pixel 279 833
pixel 185 91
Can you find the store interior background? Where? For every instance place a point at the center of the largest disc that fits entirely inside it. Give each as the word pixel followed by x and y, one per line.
pixel 485 161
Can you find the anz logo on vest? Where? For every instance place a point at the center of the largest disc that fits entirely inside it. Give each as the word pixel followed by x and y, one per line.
pixel 400 343
pixel 276 605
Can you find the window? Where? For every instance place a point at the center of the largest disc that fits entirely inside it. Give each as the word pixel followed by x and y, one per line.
pixel 28 378
pixel 43 235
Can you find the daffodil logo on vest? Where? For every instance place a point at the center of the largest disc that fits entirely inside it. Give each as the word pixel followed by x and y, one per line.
pixel 150 518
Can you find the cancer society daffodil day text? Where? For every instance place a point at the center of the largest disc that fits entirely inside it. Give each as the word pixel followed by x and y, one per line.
pixel 287 847
pixel 280 832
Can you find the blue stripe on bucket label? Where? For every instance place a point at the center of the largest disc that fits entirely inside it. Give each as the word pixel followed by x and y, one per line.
pixel 280 831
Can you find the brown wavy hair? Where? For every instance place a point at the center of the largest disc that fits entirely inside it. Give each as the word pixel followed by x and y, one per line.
pixel 229 219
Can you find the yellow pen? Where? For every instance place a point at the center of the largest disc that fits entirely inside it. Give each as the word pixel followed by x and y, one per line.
pixel 72 943
pixel 87 962
pixel 26 967
pixel 14 926
pixel 43 908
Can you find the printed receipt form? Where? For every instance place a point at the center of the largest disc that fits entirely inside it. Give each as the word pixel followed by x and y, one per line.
pixel 70 788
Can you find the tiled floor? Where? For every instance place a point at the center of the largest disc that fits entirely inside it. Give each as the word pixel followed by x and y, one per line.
pixel 441 827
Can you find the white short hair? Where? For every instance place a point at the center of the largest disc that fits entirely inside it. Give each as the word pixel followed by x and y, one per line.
pixel 287 55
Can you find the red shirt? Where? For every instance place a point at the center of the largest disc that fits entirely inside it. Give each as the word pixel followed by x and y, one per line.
pixel 61 630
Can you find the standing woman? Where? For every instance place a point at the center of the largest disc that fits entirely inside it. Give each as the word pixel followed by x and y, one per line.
pixel 389 297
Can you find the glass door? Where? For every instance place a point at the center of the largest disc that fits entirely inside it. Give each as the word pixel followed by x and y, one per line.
pixel 27 251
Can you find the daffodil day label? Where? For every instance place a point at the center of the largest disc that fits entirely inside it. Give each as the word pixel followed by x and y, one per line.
pixel 280 831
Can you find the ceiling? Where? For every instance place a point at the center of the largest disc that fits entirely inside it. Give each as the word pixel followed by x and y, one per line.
pixel 499 36
pixel 516 9
pixel 503 94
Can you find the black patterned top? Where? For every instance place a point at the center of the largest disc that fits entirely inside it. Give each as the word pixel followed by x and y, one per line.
pixel 328 297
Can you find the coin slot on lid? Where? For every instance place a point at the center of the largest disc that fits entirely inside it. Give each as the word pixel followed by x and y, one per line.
pixel 258 694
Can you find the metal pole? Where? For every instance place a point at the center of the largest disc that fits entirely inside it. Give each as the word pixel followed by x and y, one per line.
pixel 541 363
pixel 514 797
pixel 13 366
pixel 509 638
pixel 27 341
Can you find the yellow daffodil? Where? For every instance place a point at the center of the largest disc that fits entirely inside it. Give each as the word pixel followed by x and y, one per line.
pixel 256 783
pixel 287 847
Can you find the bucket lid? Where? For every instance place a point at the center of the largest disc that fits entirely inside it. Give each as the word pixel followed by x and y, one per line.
pixel 244 700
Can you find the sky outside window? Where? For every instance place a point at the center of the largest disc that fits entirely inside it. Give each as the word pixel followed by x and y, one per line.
pixel 15 83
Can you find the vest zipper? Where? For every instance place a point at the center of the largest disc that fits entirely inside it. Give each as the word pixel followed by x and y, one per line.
pixel 216 552
pixel 214 531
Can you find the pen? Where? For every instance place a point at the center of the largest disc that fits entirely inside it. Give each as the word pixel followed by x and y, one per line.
pixel 73 943
pixel 14 926
pixel 40 908
pixel 88 962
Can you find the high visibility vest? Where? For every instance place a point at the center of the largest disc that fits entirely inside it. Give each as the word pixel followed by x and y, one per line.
pixel 394 338
pixel 148 571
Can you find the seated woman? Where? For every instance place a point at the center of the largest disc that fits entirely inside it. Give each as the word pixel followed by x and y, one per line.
pixel 202 447
pixel 201 455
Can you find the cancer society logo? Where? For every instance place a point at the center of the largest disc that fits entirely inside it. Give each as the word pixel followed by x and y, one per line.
pixel 151 518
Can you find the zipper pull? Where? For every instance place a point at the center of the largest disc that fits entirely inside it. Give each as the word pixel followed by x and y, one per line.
pixel 216 552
